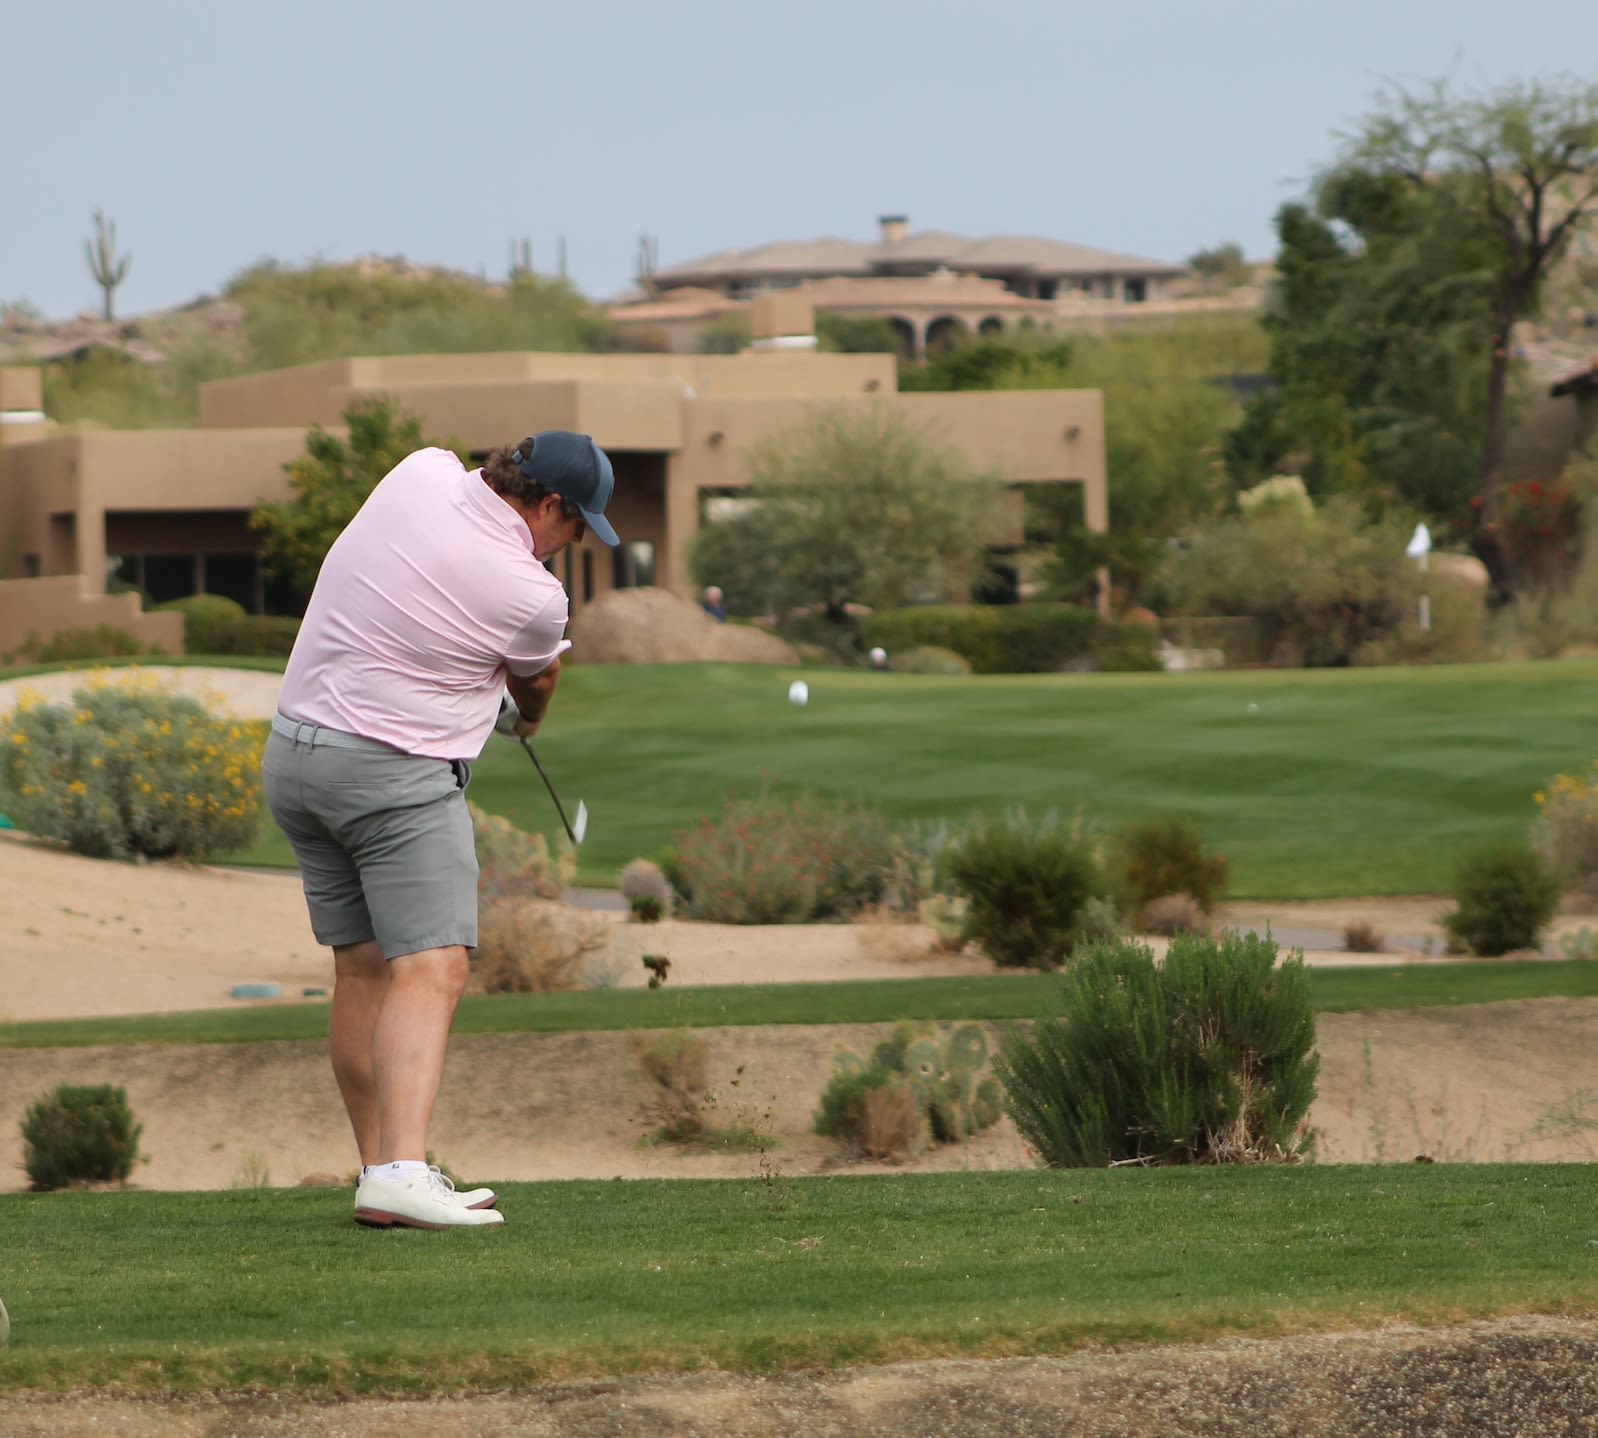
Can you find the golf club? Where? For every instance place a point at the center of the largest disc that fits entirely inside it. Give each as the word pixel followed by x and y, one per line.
pixel 573 832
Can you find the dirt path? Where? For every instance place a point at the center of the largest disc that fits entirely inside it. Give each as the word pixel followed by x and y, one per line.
pixel 1525 1377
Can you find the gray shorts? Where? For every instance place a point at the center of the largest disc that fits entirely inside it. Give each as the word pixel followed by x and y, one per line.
pixel 383 839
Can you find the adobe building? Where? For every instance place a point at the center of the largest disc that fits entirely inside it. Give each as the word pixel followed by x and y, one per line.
pixel 167 511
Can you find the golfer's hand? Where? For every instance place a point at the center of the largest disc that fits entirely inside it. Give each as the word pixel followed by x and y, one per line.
pixel 527 701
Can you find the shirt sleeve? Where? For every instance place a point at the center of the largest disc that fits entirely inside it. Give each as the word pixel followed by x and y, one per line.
pixel 540 640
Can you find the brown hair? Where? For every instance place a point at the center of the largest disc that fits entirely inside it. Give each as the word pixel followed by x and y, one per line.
pixel 504 476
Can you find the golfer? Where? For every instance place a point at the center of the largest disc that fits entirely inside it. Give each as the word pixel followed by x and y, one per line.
pixel 429 606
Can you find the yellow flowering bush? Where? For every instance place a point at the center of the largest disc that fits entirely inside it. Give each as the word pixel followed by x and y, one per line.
pixel 129 769
pixel 1566 832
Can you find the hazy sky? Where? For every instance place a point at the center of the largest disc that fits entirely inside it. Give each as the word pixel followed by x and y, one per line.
pixel 223 132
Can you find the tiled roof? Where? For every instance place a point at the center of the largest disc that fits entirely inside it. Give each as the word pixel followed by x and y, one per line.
pixel 784 257
pixel 1044 258
pixel 1051 257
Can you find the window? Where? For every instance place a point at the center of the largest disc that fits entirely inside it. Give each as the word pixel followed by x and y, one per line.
pixel 588 575
pixel 632 565
pixel 1136 291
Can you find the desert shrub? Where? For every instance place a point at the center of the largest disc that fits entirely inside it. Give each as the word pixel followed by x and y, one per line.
pixel 511 862
pixel 1580 944
pixel 1127 647
pixel 873 1113
pixel 80 1135
pixel 1166 855
pixel 677 1066
pixel 920 863
pixel 1099 919
pixel 767 860
pixel 1025 885
pixel 992 638
pixel 1324 584
pixel 917 1085
pixel 1208 1058
pixel 945 916
pixel 1360 936
pixel 534 946
pixel 1173 914
pixel 1504 897
pixel 1457 633
pixel 104 641
pixel 1565 835
pixel 930 659
pixel 646 891
pixel 128 770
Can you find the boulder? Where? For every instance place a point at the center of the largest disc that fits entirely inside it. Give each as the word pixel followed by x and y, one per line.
pixel 655 626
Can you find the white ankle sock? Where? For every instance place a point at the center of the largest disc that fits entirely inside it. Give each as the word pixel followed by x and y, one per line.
pixel 398 1171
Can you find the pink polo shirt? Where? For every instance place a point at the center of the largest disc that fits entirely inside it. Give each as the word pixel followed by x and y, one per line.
pixel 423 603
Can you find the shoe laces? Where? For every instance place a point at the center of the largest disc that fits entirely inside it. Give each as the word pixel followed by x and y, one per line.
pixel 442 1182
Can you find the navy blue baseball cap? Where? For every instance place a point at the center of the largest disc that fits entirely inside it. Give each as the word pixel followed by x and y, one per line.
pixel 575 468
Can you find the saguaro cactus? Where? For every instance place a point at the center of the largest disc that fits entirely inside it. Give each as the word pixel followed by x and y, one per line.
pixel 107 268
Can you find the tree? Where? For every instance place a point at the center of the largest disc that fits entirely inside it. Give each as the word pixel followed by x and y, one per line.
pixel 1378 323
pixel 850 506
pixel 1224 264
pixel 330 482
pixel 1518 168
pixel 108 270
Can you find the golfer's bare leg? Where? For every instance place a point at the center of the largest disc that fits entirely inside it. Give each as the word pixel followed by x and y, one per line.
pixel 360 984
pixel 408 1046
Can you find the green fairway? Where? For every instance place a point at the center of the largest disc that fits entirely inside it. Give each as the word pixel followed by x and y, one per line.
pixel 278 1288
pixel 1003 996
pixel 1342 782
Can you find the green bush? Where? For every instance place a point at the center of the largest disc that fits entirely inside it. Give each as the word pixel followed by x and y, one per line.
pixel 1208 1058
pixel 80 1135
pixel 203 615
pixel 268 635
pixel 783 861
pixel 129 770
pixel 104 641
pixel 929 659
pixel 992 638
pixel 1325 585
pixel 1128 647
pixel 939 1074
pixel 1166 855
pixel 1504 897
pixel 1025 887
pixel 214 624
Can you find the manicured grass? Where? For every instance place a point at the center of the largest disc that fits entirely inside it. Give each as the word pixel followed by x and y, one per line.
pixel 1343 782
pixel 1008 996
pixel 279 1289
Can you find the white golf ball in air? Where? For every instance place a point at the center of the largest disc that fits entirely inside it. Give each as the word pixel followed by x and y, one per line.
pixel 1253 708
pixel 799 692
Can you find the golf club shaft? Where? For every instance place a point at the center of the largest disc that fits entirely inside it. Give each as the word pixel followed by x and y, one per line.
pixel 552 794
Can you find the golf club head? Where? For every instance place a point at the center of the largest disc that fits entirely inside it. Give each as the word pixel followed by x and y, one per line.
pixel 580 823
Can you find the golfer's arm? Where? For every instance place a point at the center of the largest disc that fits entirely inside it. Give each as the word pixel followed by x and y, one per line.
pixel 532 694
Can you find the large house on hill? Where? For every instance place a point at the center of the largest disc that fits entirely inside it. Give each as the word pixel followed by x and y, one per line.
pixel 930 285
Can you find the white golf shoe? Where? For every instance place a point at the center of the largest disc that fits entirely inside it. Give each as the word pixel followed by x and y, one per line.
pixel 427 1201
